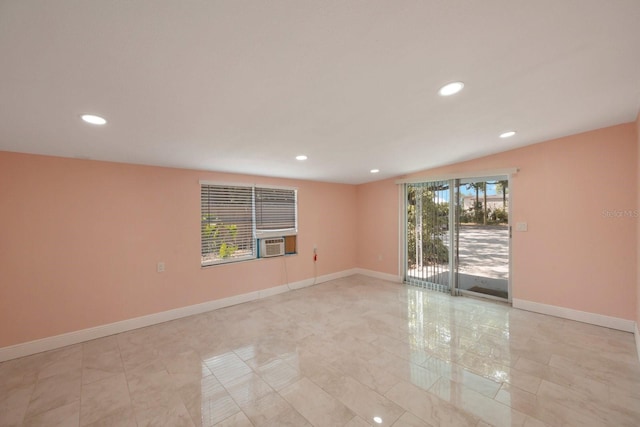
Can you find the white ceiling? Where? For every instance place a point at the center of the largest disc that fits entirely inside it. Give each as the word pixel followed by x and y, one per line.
pixel 245 86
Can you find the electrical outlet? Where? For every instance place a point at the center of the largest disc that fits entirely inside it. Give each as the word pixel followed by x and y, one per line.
pixel 160 267
pixel 315 249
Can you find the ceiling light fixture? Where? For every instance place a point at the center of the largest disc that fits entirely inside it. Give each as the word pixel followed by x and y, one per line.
pixel 378 420
pixel 508 134
pixel 374 170
pixel 93 119
pixel 451 89
pixel 301 157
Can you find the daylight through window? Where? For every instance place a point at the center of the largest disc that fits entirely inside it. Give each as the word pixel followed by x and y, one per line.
pixel 233 217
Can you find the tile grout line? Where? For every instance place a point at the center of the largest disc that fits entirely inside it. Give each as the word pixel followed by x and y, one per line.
pixel 126 380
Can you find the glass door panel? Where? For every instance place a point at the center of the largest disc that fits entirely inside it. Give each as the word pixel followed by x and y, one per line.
pixel 428 235
pixel 483 236
pixel 457 236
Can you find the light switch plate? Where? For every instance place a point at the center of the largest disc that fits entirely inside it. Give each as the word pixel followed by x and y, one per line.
pixel 521 226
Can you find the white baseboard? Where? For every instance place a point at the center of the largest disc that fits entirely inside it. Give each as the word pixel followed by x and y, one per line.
pixel 63 340
pixel 378 275
pixel 580 316
pixel 637 335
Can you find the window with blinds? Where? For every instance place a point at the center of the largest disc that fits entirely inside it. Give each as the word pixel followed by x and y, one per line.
pixel 275 210
pixel 234 216
pixel 227 223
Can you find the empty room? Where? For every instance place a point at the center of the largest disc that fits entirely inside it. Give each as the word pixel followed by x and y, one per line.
pixel 319 213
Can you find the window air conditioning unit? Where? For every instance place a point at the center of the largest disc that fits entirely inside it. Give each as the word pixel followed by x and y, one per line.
pixel 271 247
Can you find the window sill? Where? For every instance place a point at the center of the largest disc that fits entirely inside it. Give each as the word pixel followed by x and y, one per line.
pixel 203 267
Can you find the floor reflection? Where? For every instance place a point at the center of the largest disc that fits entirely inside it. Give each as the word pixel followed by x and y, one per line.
pixel 347 352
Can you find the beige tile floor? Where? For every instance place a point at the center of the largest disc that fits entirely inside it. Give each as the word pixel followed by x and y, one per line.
pixel 351 352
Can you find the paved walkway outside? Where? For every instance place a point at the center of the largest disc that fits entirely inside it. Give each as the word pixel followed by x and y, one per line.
pixel 484 251
pixel 484 258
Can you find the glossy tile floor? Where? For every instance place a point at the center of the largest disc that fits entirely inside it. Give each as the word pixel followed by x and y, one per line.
pixel 351 352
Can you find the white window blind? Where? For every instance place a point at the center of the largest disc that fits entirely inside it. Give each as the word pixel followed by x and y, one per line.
pixel 227 232
pixel 275 209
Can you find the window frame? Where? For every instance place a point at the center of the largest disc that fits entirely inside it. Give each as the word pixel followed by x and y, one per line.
pixel 256 235
pixel 269 233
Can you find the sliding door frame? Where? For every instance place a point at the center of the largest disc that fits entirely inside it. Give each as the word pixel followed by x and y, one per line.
pixel 459 291
pixel 454 182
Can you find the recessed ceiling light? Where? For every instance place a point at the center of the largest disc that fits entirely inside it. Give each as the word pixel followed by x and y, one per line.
pixel 301 157
pixel 507 134
pixel 94 120
pixel 374 170
pixel 378 420
pixel 451 89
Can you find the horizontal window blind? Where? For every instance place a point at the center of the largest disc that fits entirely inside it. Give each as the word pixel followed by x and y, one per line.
pixel 227 223
pixel 275 209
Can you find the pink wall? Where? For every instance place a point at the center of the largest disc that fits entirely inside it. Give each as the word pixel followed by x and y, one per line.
pixel 378 222
pixel 572 256
pixel 80 241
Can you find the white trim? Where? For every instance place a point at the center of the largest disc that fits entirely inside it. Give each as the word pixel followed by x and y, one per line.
pixel 275 187
pixel 227 183
pixel 75 337
pixel 267 234
pixel 478 174
pixel 246 184
pixel 637 335
pixel 571 314
pixel 379 275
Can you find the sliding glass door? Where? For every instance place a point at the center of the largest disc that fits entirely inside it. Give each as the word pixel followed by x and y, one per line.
pixel 483 235
pixel 458 236
pixel 428 238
